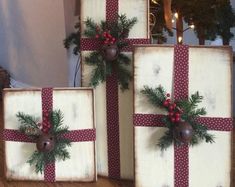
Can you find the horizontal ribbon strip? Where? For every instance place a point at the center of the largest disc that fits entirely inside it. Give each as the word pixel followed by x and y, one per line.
pixel 83 135
pixel 155 120
pixel 151 120
pixel 16 136
pixel 93 44
pixel 216 123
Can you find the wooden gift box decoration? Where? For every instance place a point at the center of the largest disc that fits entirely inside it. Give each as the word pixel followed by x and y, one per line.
pixel 77 106
pixel 183 70
pixel 113 106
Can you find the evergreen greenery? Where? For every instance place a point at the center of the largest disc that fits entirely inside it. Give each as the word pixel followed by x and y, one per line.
pixel 102 69
pixel 40 159
pixel 189 113
pixel 74 40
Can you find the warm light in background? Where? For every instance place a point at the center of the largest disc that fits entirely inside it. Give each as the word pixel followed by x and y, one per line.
pixel 154 2
pixel 192 26
pixel 180 39
pixel 176 15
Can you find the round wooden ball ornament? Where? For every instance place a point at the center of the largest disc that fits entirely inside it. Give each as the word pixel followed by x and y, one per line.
pixel 45 143
pixel 110 52
pixel 183 132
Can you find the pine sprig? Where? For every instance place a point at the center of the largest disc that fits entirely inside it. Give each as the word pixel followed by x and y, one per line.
pixel 118 30
pixel 166 140
pixel 124 77
pixel 73 39
pixel 190 107
pixel 155 96
pixel 56 118
pixel 39 159
pixel 187 109
pixel 27 121
pixel 91 28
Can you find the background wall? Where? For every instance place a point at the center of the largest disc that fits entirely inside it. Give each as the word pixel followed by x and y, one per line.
pixel 31 38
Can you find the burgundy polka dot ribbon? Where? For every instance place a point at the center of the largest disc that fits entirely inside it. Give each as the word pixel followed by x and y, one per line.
pixel 91 44
pixel 74 135
pixel 181 159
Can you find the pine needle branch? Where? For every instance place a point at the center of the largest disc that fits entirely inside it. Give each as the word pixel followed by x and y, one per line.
pixel 124 77
pixel 155 96
pixel 165 141
pixel 56 118
pixel 27 121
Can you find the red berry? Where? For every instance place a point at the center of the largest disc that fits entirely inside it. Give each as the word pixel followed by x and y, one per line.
pixel 168 100
pixel 177 114
pixel 173 119
pixel 165 103
pixel 168 95
pixel 171 114
pixel 177 119
pixel 111 42
pixel 97 36
pixel 113 39
pixel 170 108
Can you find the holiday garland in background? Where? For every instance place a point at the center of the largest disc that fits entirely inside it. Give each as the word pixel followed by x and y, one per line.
pixel 181 120
pixel 109 59
pixel 51 145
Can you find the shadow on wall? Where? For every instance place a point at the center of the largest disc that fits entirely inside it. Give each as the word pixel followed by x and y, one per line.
pixel 14 40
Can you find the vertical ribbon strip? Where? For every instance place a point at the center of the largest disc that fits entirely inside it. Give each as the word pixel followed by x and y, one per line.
pixel 113 126
pixel 112 110
pixel 47 107
pixel 181 81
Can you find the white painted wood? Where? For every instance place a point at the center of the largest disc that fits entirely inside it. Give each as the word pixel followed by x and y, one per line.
pixel 77 107
pixel 210 74
pixel 139 9
pixel 95 9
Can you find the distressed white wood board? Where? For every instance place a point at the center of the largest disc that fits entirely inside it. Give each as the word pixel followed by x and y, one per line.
pixel 77 106
pixel 125 100
pixel 95 9
pixel 210 74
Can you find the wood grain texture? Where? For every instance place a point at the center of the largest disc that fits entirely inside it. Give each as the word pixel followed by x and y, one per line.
pixel 205 64
pixel 102 182
pixel 82 164
pixel 95 9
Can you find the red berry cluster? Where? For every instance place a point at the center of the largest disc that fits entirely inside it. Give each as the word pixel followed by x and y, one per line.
pixel 107 37
pixel 174 112
pixel 46 123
